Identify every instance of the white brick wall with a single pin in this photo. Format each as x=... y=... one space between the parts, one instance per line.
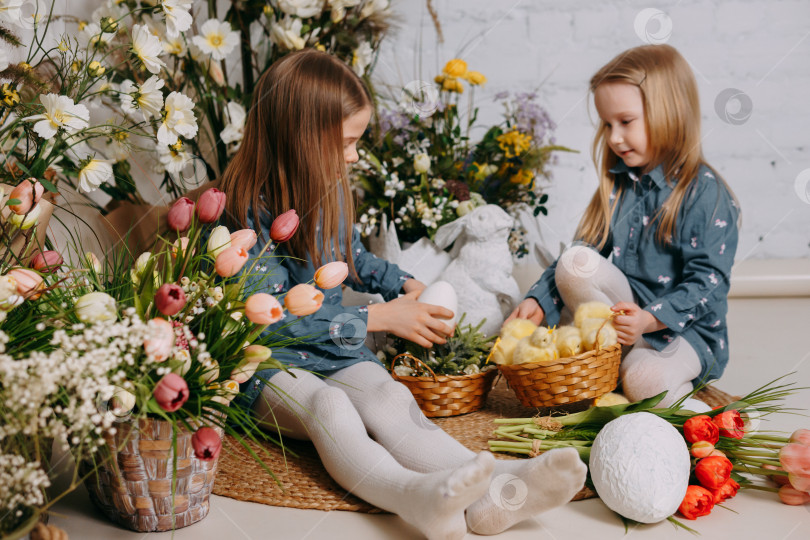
x=760 y=47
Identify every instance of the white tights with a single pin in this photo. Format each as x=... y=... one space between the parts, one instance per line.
x=583 y=275
x=375 y=442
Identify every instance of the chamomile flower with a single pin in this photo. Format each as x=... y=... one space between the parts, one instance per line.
x=178 y=119
x=94 y=173
x=147 y=48
x=216 y=39
x=147 y=98
x=234 y=131
x=178 y=18
x=60 y=113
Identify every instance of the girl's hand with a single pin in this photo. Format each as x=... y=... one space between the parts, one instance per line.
x=411 y=320
x=634 y=322
x=414 y=285
x=528 y=309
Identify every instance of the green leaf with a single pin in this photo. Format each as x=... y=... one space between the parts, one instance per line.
x=47 y=185
x=13 y=201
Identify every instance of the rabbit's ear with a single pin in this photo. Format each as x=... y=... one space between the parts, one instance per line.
x=447 y=234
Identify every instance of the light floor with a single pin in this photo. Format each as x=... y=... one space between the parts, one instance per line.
x=769 y=338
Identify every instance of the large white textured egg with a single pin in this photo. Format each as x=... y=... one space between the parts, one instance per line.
x=640 y=467
x=441 y=293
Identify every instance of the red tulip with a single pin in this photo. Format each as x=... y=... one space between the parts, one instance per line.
x=170 y=299
x=801 y=436
x=713 y=471
x=792 y=496
x=180 y=214
x=29 y=283
x=47 y=261
x=230 y=261
x=701 y=428
x=698 y=501
x=28 y=192
x=244 y=238
x=206 y=443
x=731 y=424
x=284 y=226
x=263 y=308
x=171 y=392
x=795 y=458
x=303 y=299
x=331 y=274
x=726 y=491
x=210 y=205
x=701 y=449
x=799 y=481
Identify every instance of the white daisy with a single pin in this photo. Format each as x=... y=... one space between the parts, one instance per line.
x=234 y=131
x=372 y=7
x=363 y=55
x=95 y=173
x=178 y=119
x=178 y=18
x=173 y=158
x=175 y=46
x=301 y=8
x=92 y=36
x=339 y=8
x=148 y=98
x=147 y=48
x=11 y=11
x=287 y=34
x=217 y=39
x=60 y=113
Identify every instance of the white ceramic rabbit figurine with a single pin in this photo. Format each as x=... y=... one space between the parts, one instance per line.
x=482 y=272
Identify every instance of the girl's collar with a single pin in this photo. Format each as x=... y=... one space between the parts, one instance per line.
x=656 y=175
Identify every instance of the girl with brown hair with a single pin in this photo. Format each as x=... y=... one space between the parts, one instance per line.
x=668 y=221
x=309 y=110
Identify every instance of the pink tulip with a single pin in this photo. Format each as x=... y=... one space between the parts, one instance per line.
x=263 y=308
x=800 y=482
x=180 y=214
x=792 y=496
x=244 y=238
x=230 y=261
x=795 y=458
x=170 y=299
x=801 y=436
x=171 y=392
x=303 y=299
x=206 y=443
x=701 y=449
x=210 y=205
x=29 y=283
x=779 y=479
x=28 y=193
x=284 y=226
x=47 y=261
x=180 y=247
x=161 y=339
x=331 y=274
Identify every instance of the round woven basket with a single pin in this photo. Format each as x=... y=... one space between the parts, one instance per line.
x=567 y=380
x=446 y=395
x=134 y=487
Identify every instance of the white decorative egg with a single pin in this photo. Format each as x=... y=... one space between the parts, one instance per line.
x=441 y=293
x=640 y=467
x=695 y=405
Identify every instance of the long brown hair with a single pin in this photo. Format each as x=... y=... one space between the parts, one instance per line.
x=672 y=117
x=291 y=156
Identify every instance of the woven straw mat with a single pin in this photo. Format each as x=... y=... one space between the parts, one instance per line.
x=306 y=484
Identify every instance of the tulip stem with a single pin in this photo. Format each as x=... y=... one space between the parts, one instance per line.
x=758 y=470
x=769 y=438
x=755 y=453
x=772 y=462
x=760 y=488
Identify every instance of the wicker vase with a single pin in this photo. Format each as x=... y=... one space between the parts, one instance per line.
x=134 y=487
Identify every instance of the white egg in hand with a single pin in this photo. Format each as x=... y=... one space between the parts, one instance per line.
x=441 y=293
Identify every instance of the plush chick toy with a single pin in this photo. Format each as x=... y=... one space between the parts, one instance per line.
x=538 y=347
x=591 y=310
x=569 y=341
x=610 y=399
x=593 y=331
x=511 y=333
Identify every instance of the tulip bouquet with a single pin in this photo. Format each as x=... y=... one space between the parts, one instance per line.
x=727 y=452
x=421 y=169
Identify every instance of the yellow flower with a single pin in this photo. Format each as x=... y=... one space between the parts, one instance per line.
x=320 y=47
x=8 y=95
x=452 y=84
x=523 y=176
x=455 y=68
x=514 y=143
x=95 y=69
x=475 y=78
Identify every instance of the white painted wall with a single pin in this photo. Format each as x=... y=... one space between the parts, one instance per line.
x=759 y=47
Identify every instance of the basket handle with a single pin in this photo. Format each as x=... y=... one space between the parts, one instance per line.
x=609 y=319
x=411 y=357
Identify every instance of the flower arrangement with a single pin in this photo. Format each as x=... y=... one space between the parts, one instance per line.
x=727 y=454
x=422 y=170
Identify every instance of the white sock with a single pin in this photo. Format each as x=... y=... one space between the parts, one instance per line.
x=432 y=502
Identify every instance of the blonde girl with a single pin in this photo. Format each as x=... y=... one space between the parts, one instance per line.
x=666 y=219
x=309 y=111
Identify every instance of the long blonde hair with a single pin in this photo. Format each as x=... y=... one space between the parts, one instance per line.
x=291 y=156
x=672 y=118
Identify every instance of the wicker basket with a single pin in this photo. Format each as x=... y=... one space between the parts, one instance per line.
x=446 y=395
x=134 y=487
x=567 y=380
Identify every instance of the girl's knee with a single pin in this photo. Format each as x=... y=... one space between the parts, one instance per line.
x=577 y=267
x=330 y=400
x=640 y=380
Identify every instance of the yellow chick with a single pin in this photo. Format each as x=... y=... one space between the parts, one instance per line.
x=591 y=310
x=511 y=333
x=538 y=347
x=590 y=330
x=569 y=341
x=610 y=399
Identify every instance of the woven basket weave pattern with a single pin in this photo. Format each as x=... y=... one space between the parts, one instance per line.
x=568 y=380
x=133 y=488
